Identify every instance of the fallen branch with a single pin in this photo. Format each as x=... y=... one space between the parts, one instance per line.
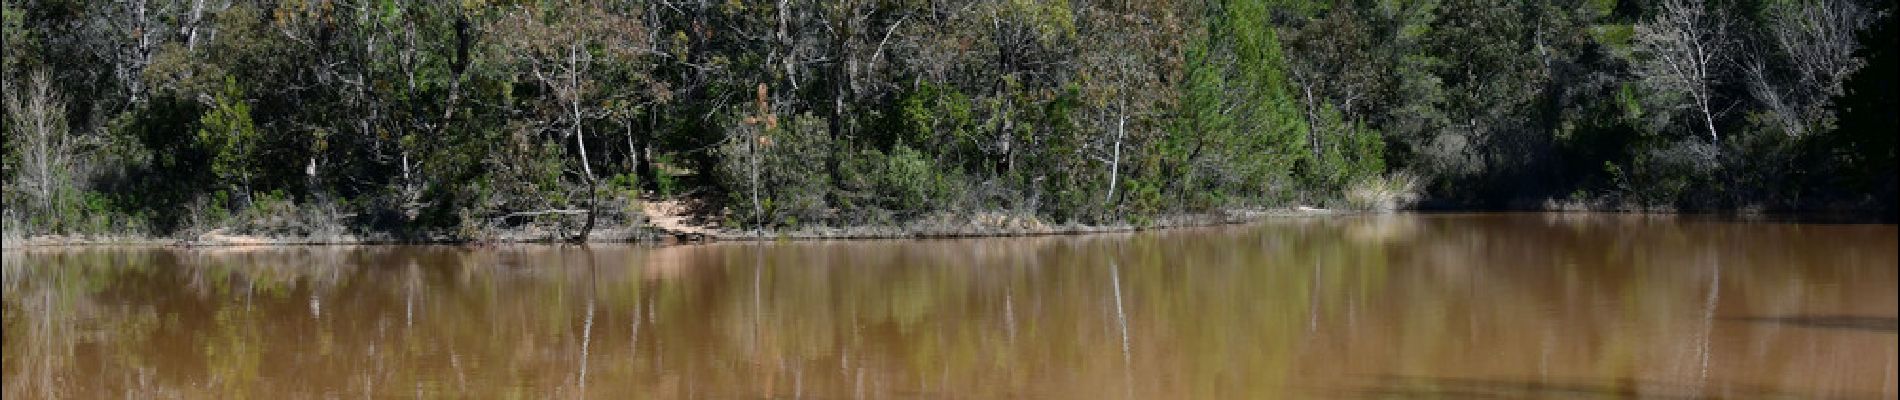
x=544 y=212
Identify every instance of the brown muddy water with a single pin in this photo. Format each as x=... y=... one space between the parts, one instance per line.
x=1407 y=306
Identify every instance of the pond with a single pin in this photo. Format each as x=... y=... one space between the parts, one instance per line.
x=1399 y=306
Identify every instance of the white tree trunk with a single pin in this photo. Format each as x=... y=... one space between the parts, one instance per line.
x=408 y=180
x=574 y=101
x=1708 y=120
x=1115 y=162
x=1312 y=122
x=581 y=144
x=758 y=211
x=191 y=25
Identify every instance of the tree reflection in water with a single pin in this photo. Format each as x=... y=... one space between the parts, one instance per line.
x=1528 y=305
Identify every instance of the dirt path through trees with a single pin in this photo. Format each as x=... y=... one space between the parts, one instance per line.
x=676 y=218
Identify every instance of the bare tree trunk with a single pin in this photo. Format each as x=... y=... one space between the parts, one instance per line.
x=191 y=25
x=574 y=101
x=141 y=51
x=1312 y=122
x=310 y=173
x=1708 y=120
x=785 y=40
x=581 y=143
x=574 y=70
x=758 y=211
x=408 y=180
x=1115 y=163
x=593 y=210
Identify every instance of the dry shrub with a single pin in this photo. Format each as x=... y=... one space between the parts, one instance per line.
x=1383 y=193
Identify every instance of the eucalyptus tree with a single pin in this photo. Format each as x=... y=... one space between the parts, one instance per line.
x=1124 y=80
x=562 y=47
x=569 y=49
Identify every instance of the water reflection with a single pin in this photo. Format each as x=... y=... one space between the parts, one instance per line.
x=1486 y=306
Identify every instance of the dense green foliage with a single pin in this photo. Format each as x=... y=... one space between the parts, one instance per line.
x=437 y=116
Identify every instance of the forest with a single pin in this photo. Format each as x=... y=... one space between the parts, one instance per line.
x=457 y=118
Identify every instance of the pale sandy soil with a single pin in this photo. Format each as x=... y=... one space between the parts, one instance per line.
x=676 y=218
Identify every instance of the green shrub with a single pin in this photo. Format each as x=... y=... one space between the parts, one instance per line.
x=627 y=187
x=775 y=175
x=663 y=179
x=909 y=183
x=231 y=137
x=874 y=187
x=1665 y=176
